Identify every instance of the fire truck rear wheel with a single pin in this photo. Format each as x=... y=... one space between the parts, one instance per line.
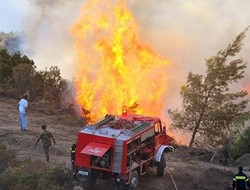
x=161 y=166
x=134 y=180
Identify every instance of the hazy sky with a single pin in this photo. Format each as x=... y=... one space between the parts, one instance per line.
x=12 y=14
x=185 y=31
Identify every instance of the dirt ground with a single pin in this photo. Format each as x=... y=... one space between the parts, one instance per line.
x=185 y=170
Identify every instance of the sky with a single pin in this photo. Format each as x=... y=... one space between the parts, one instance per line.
x=44 y=28
x=12 y=14
x=185 y=31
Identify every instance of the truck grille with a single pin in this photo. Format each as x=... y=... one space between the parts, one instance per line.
x=118 y=155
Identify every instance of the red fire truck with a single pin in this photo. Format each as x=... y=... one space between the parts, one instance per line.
x=120 y=148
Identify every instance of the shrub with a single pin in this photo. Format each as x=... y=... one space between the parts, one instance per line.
x=23 y=74
x=29 y=175
x=241 y=145
x=6 y=156
x=36 y=175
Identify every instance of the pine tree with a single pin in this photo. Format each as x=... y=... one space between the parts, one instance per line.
x=209 y=107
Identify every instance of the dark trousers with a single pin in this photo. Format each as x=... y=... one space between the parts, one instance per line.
x=46 y=152
x=240 y=188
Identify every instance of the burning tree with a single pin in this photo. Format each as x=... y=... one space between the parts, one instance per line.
x=210 y=109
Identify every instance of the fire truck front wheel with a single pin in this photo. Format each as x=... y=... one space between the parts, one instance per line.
x=134 y=180
x=161 y=166
x=133 y=183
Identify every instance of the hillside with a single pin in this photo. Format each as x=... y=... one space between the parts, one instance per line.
x=189 y=168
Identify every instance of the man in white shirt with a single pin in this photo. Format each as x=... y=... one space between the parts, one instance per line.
x=22 y=108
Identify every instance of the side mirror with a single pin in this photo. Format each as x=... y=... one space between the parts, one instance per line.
x=164 y=130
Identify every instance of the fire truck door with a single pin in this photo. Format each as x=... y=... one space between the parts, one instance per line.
x=96 y=149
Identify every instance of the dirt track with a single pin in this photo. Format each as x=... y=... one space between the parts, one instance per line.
x=188 y=174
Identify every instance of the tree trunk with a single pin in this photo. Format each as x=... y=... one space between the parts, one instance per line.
x=197 y=125
x=193 y=135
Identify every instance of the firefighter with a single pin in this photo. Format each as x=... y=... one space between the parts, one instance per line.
x=240 y=180
x=46 y=137
x=72 y=154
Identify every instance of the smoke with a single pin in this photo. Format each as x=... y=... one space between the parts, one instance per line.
x=46 y=33
x=190 y=31
x=10 y=41
x=187 y=32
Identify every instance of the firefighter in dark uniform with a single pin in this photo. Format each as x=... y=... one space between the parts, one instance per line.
x=46 y=137
x=240 y=180
x=72 y=154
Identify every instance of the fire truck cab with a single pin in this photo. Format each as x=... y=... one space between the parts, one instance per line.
x=120 y=148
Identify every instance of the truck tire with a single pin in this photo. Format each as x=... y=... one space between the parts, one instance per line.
x=161 y=166
x=88 y=183
x=121 y=185
x=134 y=180
x=132 y=184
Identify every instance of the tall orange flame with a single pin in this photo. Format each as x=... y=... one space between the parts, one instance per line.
x=115 y=69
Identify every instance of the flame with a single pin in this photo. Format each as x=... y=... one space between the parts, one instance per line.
x=247 y=88
x=115 y=69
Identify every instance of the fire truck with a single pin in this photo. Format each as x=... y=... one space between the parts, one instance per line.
x=120 y=148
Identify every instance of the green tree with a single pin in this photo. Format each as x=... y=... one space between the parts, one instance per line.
x=23 y=75
x=241 y=140
x=54 y=84
x=37 y=86
x=18 y=75
x=5 y=68
x=209 y=107
x=8 y=63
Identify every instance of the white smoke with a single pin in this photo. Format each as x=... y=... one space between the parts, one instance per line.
x=187 y=32
x=47 y=35
x=190 y=31
x=10 y=41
